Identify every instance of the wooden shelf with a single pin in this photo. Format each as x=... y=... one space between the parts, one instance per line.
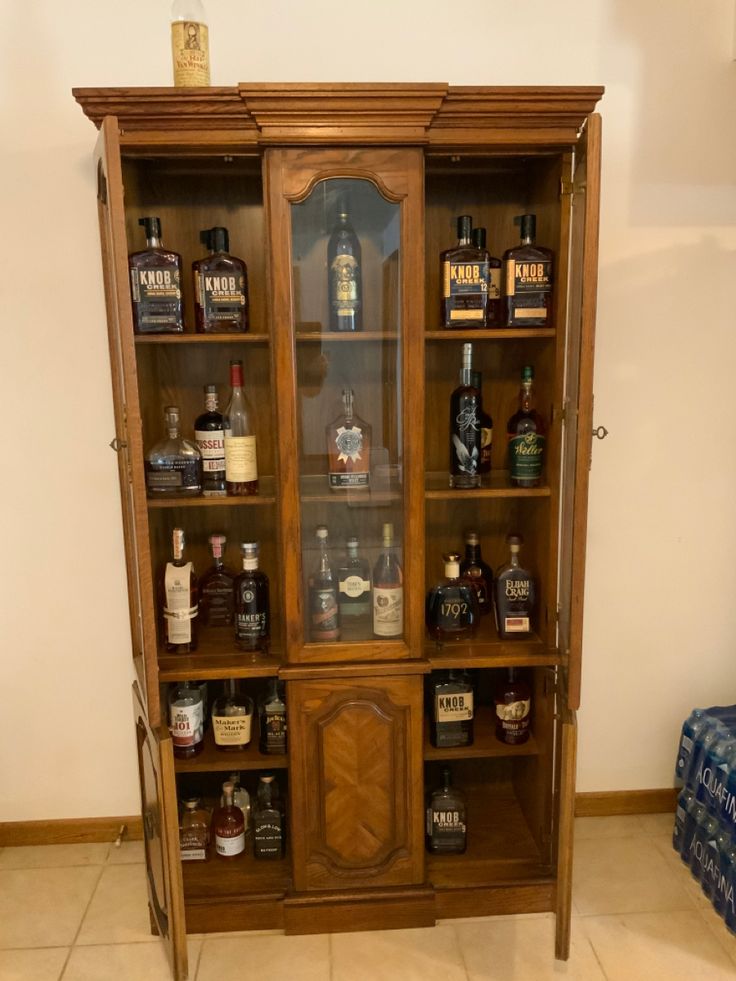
x=485 y=743
x=218 y=657
x=265 y=498
x=244 y=874
x=191 y=338
x=212 y=759
x=488 y=650
x=491 y=334
x=315 y=489
x=356 y=336
x=436 y=488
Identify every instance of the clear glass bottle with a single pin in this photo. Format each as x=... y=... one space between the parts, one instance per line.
x=446 y=819
x=515 y=594
x=241 y=799
x=494 y=307
x=486 y=428
x=241 y=461
x=174 y=465
x=324 y=622
x=155 y=284
x=190 y=43
x=464 y=279
x=194 y=831
x=344 y=276
x=220 y=286
x=232 y=718
x=216 y=599
x=252 y=603
x=526 y=439
x=354 y=594
x=451 y=606
x=513 y=699
x=465 y=434
x=186 y=719
x=210 y=440
x=272 y=719
x=228 y=825
x=478 y=572
x=388 y=590
x=268 y=826
x=528 y=279
x=451 y=709
x=179 y=595
x=348 y=441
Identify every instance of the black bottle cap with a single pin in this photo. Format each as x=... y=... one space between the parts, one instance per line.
x=219 y=239
x=464 y=226
x=528 y=225
x=479 y=238
x=152 y=226
x=205 y=237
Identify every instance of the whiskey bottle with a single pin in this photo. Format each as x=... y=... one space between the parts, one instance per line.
x=228 y=825
x=241 y=463
x=465 y=434
x=515 y=595
x=179 y=594
x=513 y=701
x=446 y=827
x=174 y=465
x=464 y=278
x=451 y=606
x=478 y=572
x=525 y=433
x=232 y=717
x=241 y=799
x=155 y=285
x=268 y=832
x=348 y=448
x=486 y=429
x=528 y=279
x=190 y=46
x=220 y=287
x=388 y=590
x=194 y=831
x=216 y=599
x=324 y=622
x=272 y=719
x=494 y=307
x=210 y=440
x=344 y=276
x=452 y=709
x=354 y=594
x=186 y=719
x=252 y=603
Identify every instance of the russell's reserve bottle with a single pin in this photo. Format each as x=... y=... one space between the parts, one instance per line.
x=348 y=441
x=190 y=44
x=216 y=598
x=446 y=821
x=388 y=590
x=344 y=276
x=173 y=466
x=220 y=286
x=528 y=279
x=241 y=461
x=179 y=600
x=252 y=603
x=155 y=284
x=494 y=307
x=451 y=606
x=515 y=594
x=525 y=433
x=324 y=621
x=210 y=440
x=465 y=434
x=228 y=825
x=464 y=279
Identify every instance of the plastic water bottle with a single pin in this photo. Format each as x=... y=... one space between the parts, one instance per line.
x=729 y=888
x=691 y=729
x=684 y=802
x=689 y=824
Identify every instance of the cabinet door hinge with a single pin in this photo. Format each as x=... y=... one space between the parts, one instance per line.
x=566 y=187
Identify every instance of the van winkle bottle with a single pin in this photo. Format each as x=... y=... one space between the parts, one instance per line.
x=465 y=434
x=446 y=821
x=344 y=276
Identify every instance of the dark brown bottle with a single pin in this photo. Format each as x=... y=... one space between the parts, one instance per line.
x=451 y=606
x=494 y=306
x=216 y=598
x=528 y=279
x=513 y=700
x=220 y=286
x=478 y=572
x=464 y=280
x=465 y=434
x=252 y=603
x=451 y=709
x=446 y=821
x=155 y=285
x=515 y=594
x=210 y=440
x=486 y=428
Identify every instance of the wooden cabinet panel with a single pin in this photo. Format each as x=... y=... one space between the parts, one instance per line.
x=356 y=804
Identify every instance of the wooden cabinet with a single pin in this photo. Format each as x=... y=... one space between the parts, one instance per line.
x=276 y=165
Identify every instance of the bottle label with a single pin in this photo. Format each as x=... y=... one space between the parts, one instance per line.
x=526 y=453
x=186 y=723
x=514 y=716
x=465 y=442
x=190 y=48
x=216 y=604
x=516 y=624
x=157 y=297
x=494 y=284
x=344 y=285
x=251 y=624
x=354 y=586
x=528 y=277
x=388 y=611
x=222 y=297
x=267 y=835
x=465 y=286
x=273 y=738
x=353 y=479
x=230 y=845
x=231 y=730
x=455 y=707
x=173 y=474
x=178 y=613
x=323 y=614
x=241 y=465
x=211 y=444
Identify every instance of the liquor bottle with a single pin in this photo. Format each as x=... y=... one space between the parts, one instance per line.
x=268 y=833
x=446 y=827
x=324 y=621
x=210 y=440
x=190 y=45
x=228 y=825
x=478 y=572
x=344 y=276
x=194 y=831
x=241 y=463
x=186 y=719
x=155 y=284
x=241 y=799
x=272 y=719
x=354 y=594
x=216 y=598
x=174 y=465
x=494 y=307
x=252 y=603
x=513 y=701
x=220 y=286
x=232 y=717
x=465 y=435
x=528 y=279
x=486 y=428
x=451 y=607
x=515 y=595
x=526 y=439
x=179 y=595
x=451 y=709
x=388 y=590
x=464 y=278
x=348 y=448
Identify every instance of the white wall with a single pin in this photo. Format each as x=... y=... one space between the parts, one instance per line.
x=660 y=622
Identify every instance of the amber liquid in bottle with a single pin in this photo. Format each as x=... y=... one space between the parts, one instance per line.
x=228 y=826
x=252 y=603
x=241 y=460
x=528 y=279
x=179 y=600
x=526 y=438
x=155 y=285
x=464 y=279
x=344 y=276
x=348 y=448
x=513 y=700
x=494 y=307
x=216 y=601
x=220 y=287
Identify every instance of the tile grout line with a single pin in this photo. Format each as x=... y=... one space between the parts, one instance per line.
x=595 y=954
x=329 y=956
x=199 y=960
x=460 y=948
x=79 y=928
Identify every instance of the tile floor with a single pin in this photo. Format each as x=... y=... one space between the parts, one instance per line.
x=78 y=913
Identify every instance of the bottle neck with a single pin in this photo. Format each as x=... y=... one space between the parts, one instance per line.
x=526 y=396
x=514 y=561
x=452 y=570
x=472 y=552
x=154 y=242
x=211 y=403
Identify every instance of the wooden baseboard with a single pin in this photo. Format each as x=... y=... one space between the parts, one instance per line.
x=626 y=802
x=69 y=831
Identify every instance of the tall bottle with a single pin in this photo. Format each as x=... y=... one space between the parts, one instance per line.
x=486 y=428
x=216 y=600
x=252 y=603
x=186 y=719
x=324 y=622
x=190 y=43
x=228 y=825
x=465 y=434
x=526 y=438
x=388 y=590
x=344 y=276
x=220 y=286
x=173 y=465
x=513 y=699
x=464 y=279
x=210 y=440
x=515 y=594
x=528 y=279
x=272 y=719
x=354 y=594
x=348 y=441
x=241 y=462
x=478 y=572
x=494 y=307
x=155 y=284
x=179 y=591
x=451 y=606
